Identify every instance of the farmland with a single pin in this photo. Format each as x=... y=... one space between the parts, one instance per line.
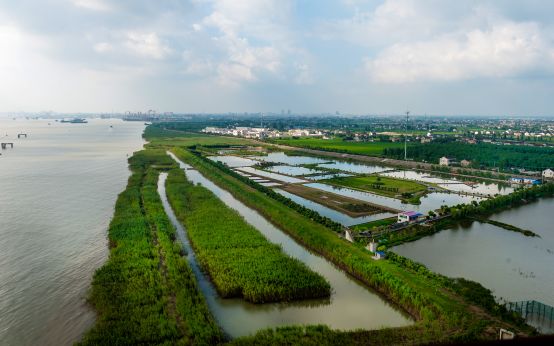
x=239 y=260
x=339 y=145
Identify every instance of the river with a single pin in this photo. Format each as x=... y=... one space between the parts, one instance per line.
x=57 y=192
x=351 y=306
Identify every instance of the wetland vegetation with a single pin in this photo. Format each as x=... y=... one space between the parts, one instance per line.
x=240 y=261
x=146 y=293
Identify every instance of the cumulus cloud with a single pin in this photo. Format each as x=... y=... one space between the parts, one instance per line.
x=147 y=44
x=94 y=5
x=102 y=47
x=503 y=50
x=237 y=25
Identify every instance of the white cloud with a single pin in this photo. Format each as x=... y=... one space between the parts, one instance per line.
x=147 y=44
x=94 y=5
x=391 y=21
x=102 y=47
x=505 y=49
x=237 y=25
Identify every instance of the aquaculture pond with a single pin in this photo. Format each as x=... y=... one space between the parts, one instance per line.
x=431 y=201
x=233 y=161
x=274 y=176
x=281 y=157
x=293 y=170
x=351 y=305
x=514 y=266
x=453 y=184
x=334 y=215
x=353 y=167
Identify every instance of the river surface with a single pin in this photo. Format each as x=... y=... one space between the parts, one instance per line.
x=57 y=192
x=351 y=305
x=513 y=266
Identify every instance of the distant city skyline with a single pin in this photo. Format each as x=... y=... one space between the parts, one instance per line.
x=436 y=57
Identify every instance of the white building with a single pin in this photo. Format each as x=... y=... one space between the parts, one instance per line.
x=548 y=173
x=446 y=161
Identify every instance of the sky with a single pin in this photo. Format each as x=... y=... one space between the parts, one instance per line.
x=436 y=57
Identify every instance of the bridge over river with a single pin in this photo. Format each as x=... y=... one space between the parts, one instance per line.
x=536 y=314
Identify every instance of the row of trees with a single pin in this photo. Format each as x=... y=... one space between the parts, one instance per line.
x=488 y=155
x=488 y=206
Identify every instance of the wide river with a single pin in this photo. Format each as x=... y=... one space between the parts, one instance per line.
x=57 y=192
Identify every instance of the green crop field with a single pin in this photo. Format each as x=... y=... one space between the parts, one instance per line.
x=337 y=144
x=384 y=186
x=240 y=260
x=159 y=136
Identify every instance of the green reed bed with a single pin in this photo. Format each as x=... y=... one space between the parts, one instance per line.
x=146 y=292
x=239 y=259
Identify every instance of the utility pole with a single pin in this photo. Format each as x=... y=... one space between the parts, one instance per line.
x=406 y=138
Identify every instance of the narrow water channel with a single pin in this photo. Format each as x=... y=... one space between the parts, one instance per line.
x=351 y=306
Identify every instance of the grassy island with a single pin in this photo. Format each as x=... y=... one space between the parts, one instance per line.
x=239 y=259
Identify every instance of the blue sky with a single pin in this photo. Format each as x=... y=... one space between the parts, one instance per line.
x=364 y=57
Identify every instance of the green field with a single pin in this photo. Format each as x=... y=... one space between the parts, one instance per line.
x=240 y=261
x=390 y=187
x=337 y=144
x=161 y=137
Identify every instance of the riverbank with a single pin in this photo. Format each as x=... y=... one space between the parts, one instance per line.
x=146 y=292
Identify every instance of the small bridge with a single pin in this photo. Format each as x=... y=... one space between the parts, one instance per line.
x=5 y=145
x=537 y=314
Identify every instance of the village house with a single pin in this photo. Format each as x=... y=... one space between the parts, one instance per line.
x=447 y=161
x=408 y=216
x=548 y=174
x=465 y=163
